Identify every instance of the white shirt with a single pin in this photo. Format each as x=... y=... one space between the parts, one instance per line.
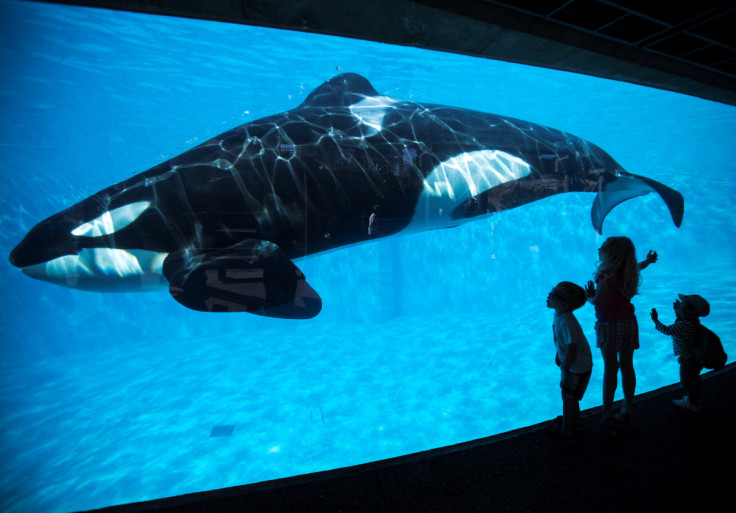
x=567 y=331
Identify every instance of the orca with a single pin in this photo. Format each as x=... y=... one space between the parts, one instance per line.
x=221 y=224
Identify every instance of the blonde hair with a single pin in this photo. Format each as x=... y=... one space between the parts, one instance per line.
x=618 y=256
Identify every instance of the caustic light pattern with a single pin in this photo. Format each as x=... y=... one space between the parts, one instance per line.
x=221 y=224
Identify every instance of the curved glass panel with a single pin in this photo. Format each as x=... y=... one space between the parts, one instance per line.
x=423 y=340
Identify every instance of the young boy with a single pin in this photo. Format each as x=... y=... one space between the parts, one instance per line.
x=573 y=353
x=687 y=311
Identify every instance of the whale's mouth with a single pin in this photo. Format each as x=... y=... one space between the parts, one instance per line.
x=103 y=270
x=16 y=260
x=61 y=237
x=35 y=250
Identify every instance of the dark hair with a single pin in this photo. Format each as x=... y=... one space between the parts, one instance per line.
x=572 y=294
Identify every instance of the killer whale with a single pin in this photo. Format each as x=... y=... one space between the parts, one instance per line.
x=222 y=224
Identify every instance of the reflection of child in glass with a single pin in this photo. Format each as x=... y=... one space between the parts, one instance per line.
x=685 y=328
x=617 y=332
x=573 y=353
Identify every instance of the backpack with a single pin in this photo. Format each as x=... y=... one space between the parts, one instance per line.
x=708 y=350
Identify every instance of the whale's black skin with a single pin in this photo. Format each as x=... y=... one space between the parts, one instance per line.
x=222 y=222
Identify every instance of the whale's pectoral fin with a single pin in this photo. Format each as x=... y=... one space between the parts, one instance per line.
x=629 y=186
x=253 y=276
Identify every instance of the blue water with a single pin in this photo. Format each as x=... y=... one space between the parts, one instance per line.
x=423 y=341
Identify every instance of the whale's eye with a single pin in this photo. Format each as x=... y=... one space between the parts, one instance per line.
x=112 y=221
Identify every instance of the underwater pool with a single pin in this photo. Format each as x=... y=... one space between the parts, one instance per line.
x=425 y=340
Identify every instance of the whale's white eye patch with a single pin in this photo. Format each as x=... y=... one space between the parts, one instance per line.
x=112 y=221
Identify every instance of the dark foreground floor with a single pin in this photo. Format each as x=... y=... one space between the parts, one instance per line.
x=671 y=460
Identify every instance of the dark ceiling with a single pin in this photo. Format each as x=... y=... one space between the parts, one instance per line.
x=690 y=48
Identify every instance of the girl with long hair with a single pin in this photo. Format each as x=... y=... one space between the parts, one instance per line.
x=617 y=331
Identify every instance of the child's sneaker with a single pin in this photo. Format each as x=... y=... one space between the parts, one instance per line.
x=686 y=404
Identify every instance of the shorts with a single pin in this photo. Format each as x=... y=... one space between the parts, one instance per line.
x=621 y=334
x=574 y=385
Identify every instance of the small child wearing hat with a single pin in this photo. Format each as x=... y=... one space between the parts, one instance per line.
x=688 y=309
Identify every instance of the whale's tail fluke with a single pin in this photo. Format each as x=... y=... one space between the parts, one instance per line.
x=627 y=186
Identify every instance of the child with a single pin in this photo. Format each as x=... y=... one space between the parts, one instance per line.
x=616 y=328
x=573 y=353
x=687 y=311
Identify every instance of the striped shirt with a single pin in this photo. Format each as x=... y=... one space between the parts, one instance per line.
x=683 y=333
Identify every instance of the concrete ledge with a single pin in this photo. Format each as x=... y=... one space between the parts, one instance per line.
x=669 y=459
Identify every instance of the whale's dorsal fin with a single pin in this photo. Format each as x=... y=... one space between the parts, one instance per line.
x=340 y=91
x=253 y=276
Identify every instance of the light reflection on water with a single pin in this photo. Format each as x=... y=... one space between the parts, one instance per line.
x=424 y=341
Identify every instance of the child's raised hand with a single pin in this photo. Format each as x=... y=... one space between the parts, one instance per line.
x=590 y=289
x=676 y=305
x=652 y=256
x=654 y=314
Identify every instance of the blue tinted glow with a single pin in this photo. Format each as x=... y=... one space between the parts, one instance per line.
x=423 y=341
